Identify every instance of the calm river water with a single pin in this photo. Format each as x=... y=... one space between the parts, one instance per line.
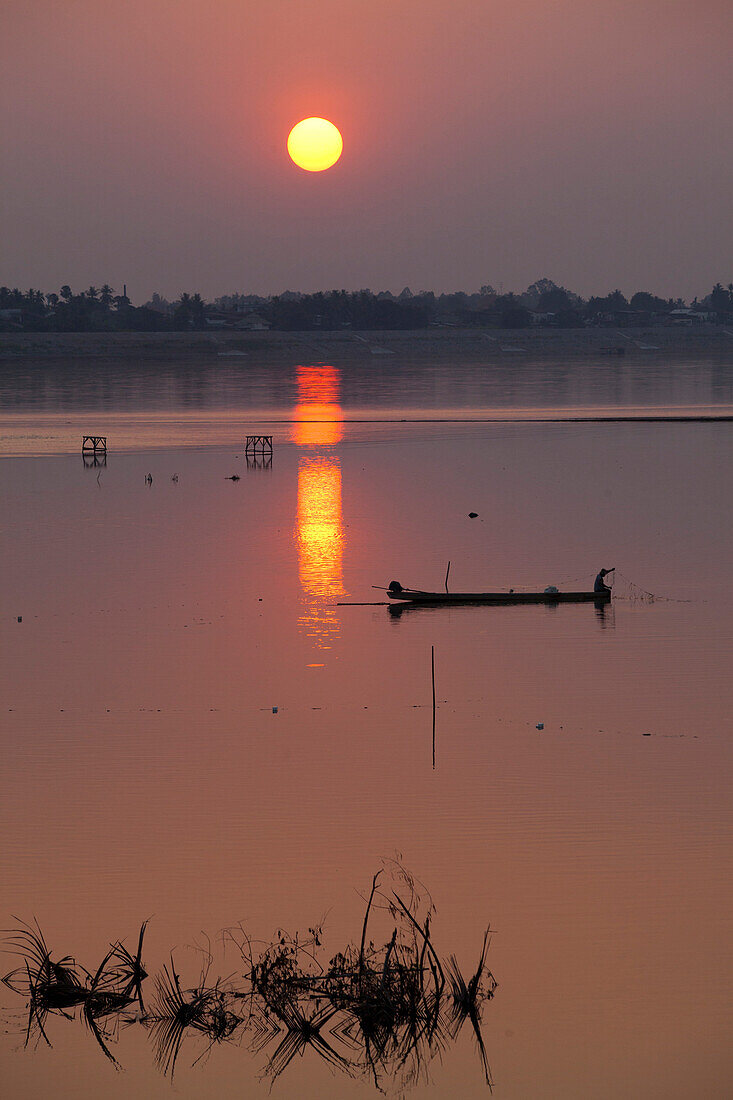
x=195 y=730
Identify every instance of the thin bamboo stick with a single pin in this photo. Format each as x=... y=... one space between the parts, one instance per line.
x=432 y=666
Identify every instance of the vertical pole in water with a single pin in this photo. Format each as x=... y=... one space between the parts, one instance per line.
x=432 y=666
x=446 y=577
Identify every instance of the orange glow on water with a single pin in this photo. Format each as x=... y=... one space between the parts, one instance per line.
x=320 y=530
x=316 y=427
x=318 y=385
x=320 y=540
x=318 y=413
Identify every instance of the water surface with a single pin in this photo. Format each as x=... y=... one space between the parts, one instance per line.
x=146 y=773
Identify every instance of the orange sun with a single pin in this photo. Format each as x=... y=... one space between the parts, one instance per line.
x=315 y=144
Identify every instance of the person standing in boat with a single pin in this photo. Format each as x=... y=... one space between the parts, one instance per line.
x=600 y=585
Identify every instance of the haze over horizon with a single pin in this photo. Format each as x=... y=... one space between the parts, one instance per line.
x=499 y=142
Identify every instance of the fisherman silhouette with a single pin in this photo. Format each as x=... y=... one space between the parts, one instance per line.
x=600 y=585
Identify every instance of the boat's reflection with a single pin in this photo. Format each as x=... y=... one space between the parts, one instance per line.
x=605 y=614
x=395 y=610
x=319 y=533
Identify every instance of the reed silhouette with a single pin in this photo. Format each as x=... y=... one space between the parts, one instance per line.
x=381 y=1009
x=63 y=986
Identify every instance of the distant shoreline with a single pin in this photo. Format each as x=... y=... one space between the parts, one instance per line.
x=341 y=347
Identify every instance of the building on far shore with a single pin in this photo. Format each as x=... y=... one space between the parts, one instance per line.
x=11 y=318
x=252 y=322
x=691 y=316
x=233 y=319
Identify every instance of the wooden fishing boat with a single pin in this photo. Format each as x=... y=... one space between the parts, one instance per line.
x=415 y=596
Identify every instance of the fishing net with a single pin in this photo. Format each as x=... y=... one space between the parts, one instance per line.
x=623 y=588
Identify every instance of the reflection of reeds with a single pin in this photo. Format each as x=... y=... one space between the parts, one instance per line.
x=468 y=997
x=204 y=1009
x=380 y=1010
x=304 y=1029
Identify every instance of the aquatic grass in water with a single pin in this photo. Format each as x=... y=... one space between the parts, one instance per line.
x=58 y=987
x=468 y=999
x=379 y=1009
x=205 y=1009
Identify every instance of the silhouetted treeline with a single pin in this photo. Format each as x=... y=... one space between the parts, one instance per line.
x=542 y=303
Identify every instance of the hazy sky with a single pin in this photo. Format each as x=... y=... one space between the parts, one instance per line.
x=485 y=141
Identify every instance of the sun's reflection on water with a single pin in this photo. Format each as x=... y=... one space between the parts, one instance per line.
x=316 y=427
x=320 y=544
x=318 y=414
x=319 y=529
